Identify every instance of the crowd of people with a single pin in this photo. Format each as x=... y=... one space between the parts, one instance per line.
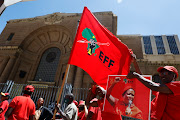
x=165 y=106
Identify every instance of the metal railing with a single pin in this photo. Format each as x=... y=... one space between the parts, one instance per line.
x=48 y=93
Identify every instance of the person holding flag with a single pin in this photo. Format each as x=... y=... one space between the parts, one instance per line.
x=165 y=106
x=98 y=92
x=98 y=52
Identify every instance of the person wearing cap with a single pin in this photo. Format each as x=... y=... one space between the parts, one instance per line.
x=70 y=112
x=22 y=107
x=165 y=105
x=4 y=105
x=82 y=110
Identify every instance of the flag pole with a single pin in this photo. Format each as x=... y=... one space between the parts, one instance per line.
x=64 y=81
x=62 y=86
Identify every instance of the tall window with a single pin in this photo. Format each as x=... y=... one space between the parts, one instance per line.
x=160 y=45
x=48 y=65
x=147 y=45
x=172 y=45
x=10 y=36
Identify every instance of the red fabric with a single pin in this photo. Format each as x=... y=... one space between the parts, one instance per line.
x=141 y=98
x=96 y=113
x=109 y=56
x=23 y=108
x=108 y=115
x=75 y=102
x=167 y=106
x=81 y=116
x=4 y=106
x=121 y=108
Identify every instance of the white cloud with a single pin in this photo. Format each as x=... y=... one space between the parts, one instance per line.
x=119 y=1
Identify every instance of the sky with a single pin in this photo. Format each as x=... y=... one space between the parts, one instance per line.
x=144 y=17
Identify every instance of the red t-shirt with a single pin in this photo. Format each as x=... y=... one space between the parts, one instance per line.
x=23 y=108
x=108 y=115
x=167 y=106
x=96 y=113
x=81 y=115
x=4 y=106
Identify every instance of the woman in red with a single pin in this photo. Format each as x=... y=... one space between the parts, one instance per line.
x=126 y=106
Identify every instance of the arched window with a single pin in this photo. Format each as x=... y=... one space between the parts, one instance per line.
x=48 y=65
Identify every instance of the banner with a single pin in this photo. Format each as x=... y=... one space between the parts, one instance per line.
x=97 y=51
x=129 y=97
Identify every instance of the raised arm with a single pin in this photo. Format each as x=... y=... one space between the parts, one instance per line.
x=151 y=85
x=85 y=111
x=136 y=66
x=62 y=114
x=90 y=96
x=109 y=97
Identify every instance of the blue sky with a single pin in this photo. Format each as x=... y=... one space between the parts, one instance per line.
x=145 y=17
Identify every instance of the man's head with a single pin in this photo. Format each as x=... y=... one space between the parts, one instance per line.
x=81 y=105
x=40 y=102
x=4 y=96
x=69 y=98
x=167 y=74
x=29 y=89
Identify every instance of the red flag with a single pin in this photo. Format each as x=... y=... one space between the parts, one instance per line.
x=97 y=51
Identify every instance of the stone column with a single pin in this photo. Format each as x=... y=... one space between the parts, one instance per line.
x=142 y=43
x=78 y=83
x=3 y=64
x=153 y=43
x=71 y=74
x=166 y=45
x=78 y=78
x=7 y=70
x=177 y=42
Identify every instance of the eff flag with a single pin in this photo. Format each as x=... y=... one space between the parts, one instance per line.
x=97 y=51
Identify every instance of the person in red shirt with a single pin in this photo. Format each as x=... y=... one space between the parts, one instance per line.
x=4 y=105
x=82 y=110
x=94 y=113
x=22 y=107
x=166 y=105
x=99 y=92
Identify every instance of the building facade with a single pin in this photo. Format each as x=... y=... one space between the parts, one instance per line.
x=36 y=50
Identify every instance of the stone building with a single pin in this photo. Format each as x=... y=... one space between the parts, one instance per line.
x=36 y=50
